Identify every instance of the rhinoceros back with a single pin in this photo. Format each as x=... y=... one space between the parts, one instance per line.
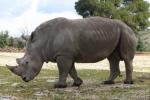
x=97 y=38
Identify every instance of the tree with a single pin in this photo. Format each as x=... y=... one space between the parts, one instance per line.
x=3 y=39
x=83 y=6
x=11 y=42
x=140 y=45
x=20 y=44
x=7 y=41
x=134 y=13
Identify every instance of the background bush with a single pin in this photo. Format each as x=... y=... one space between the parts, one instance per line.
x=7 y=41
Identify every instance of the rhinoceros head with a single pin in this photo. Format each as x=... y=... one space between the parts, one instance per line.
x=30 y=64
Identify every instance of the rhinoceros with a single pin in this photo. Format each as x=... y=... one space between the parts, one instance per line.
x=87 y=40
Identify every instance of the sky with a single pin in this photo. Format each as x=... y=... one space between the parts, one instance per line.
x=18 y=16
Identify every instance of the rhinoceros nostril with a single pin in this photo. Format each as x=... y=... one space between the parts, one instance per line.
x=27 y=62
x=24 y=78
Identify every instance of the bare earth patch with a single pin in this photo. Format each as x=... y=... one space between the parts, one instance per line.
x=141 y=62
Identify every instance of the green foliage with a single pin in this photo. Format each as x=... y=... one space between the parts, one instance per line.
x=83 y=5
x=105 y=10
x=7 y=41
x=144 y=40
x=134 y=13
x=11 y=42
x=3 y=39
x=20 y=44
x=140 y=45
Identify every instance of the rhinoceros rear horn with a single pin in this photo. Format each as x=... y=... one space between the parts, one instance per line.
x=15 y=69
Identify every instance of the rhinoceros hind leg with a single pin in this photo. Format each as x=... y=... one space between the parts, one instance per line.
x=64 y=65
x=114 y=70
x=129 y=70
x=73 y=73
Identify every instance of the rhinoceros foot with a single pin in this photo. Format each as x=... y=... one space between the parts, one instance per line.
x=128 y=82
x=60 y=85
x=108 y=82
x=77 y=83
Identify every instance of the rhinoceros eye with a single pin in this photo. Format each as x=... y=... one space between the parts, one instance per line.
x=27 y=62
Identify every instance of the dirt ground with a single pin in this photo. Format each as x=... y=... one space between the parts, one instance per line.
x=41 y=88
x=141 y=62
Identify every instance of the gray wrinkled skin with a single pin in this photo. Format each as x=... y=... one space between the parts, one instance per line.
x=86 y=40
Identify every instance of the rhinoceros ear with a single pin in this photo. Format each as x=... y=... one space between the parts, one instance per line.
x=32 y=37
x=26 y=38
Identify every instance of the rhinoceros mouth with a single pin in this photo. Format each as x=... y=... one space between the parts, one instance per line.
x=25 y=79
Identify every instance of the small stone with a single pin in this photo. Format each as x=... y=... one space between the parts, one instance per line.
x=7 y=98
x=69 y=89
x=18 y=90
x=15 y=84
x=1 y=83
x=46 y=91
x=40 y=94
x=50 y=81
x=36 y=88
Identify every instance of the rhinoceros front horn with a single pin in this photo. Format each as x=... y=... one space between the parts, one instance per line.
x=15 y=69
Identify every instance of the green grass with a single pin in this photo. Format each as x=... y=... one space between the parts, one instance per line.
x=41 y=87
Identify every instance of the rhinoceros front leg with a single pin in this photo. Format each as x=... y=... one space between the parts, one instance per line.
x=64 y=64
x=114 y=70
x=74 y=75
